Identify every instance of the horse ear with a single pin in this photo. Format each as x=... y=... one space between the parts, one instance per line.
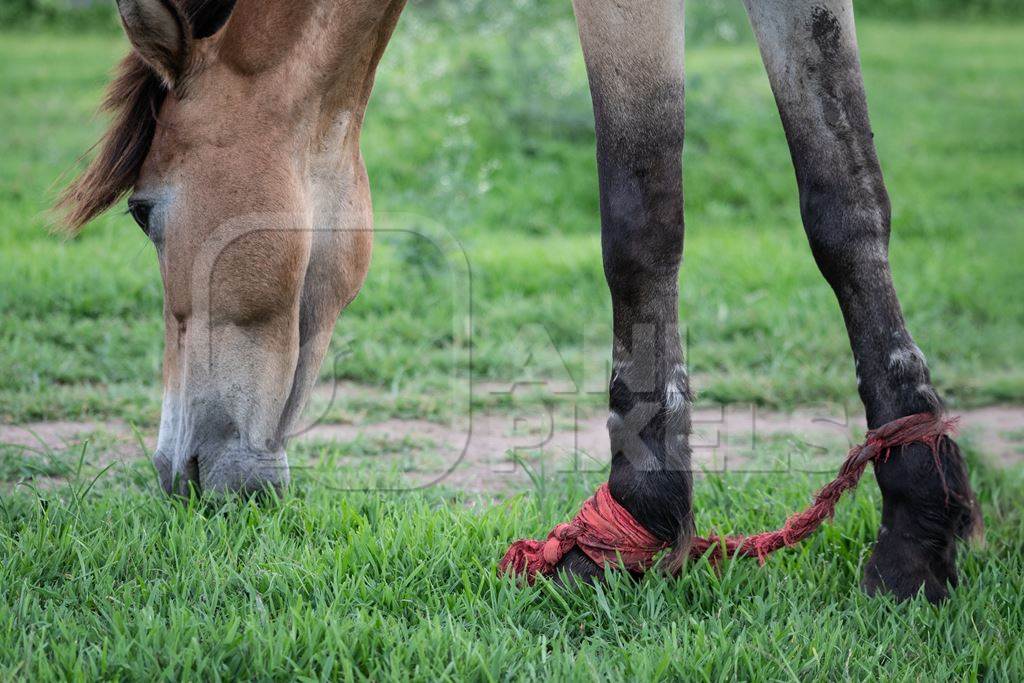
x=159 y=32
x=206 y=17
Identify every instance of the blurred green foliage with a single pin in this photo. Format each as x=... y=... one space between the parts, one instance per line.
x=722 y=20
x=69 y=14
x=939 y=8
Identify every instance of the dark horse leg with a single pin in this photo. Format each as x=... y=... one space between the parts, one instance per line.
x=634 y=56
x=810 y=51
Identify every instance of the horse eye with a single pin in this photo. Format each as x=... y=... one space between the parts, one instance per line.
x=140 y=211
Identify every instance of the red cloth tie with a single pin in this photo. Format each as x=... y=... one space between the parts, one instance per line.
x=603 y=530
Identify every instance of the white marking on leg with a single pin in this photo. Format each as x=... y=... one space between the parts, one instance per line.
x=675 y=400
x=916 y=350
x=903 y=358
x=675 y=394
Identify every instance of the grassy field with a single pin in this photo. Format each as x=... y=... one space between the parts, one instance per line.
x=490 y=142
x=113 y=582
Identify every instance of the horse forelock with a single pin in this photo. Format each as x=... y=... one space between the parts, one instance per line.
x=133 y=100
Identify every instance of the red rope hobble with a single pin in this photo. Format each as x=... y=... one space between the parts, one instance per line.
x=603 y=530
x=609 y=535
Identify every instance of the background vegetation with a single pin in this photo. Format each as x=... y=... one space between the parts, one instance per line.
x=724 y=17
x=486 y=135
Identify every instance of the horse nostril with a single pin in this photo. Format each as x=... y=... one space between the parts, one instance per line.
x=188 y=478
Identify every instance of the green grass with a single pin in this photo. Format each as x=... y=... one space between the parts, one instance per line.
x=110 y=581
x=18 y=463
x=493 y=145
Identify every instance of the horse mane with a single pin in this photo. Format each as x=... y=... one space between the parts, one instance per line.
x=133 y=99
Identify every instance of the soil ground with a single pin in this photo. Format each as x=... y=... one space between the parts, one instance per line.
x=496 y=451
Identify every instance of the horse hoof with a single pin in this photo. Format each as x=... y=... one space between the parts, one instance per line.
x=577 y=568
x=927 y=507
x=901 y=568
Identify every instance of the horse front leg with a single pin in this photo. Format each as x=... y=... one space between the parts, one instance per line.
x=634 y=56
x=810 y=51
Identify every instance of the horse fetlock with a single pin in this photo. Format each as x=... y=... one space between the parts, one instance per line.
x=660 y=501
x=926 y=488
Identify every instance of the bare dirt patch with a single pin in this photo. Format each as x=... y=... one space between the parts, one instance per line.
x=492 y=452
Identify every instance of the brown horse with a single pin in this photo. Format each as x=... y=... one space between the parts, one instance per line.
x=237 y=131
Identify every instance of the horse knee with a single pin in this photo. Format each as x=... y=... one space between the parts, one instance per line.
x=847 y=223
